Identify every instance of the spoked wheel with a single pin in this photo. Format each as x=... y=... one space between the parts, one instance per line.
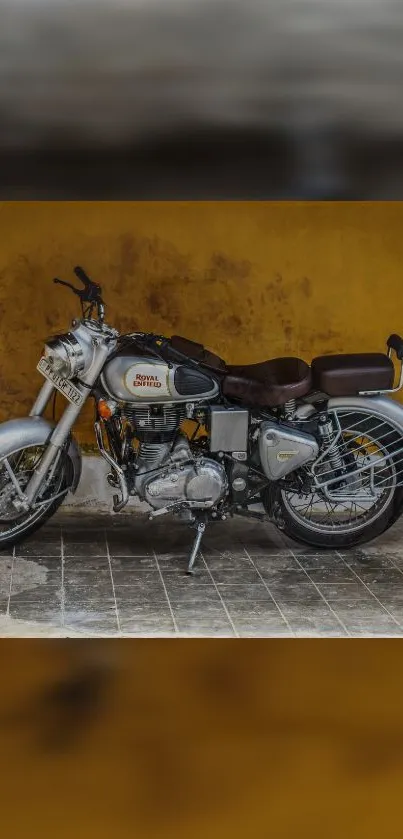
x=17 y=524
x=358 y=497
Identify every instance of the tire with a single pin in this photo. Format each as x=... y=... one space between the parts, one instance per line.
x=31 y=525
x=295 y=530
x=320 y=534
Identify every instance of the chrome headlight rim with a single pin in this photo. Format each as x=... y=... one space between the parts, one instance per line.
x=65 y=355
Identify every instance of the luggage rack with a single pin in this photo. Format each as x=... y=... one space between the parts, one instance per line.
x=394 y=343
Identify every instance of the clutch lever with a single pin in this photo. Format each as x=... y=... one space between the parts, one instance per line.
x=68 y=285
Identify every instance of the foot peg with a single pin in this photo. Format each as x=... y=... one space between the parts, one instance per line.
x=196 y=545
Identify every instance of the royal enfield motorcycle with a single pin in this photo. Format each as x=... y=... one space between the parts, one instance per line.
x=317 y=448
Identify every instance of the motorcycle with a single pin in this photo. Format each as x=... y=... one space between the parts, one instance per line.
x=318 y=447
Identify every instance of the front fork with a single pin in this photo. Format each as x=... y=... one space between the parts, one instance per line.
x=65 y=424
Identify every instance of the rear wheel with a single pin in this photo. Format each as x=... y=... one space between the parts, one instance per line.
x=17 y=524
x=354 y=503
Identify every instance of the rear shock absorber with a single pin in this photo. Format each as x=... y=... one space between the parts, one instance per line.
x=327 y=433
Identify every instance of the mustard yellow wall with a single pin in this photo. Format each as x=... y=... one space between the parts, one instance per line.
x=250 y=280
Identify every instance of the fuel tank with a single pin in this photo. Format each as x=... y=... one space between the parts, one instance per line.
x=136 y=378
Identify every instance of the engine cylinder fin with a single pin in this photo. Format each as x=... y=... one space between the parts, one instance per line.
x=155 y=424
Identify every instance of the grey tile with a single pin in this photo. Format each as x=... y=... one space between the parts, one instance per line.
x=175 y=561
x=269 y=566
x=335 y=574
x=5 y=575
x=92 y=580
x=351 y=611
x=86 y=618
x=196 y=621
x=368 y=627
x=178 y=565
x=327 y=626
x=142 y=610
x=244 y=609
x=51 y=565
x=128 y=549
x=320 y=560
x=240 y=576
x=127 y=564
x=35 y=612
x=203 y=597
x=396 y=559
x=161 y=628
x=387 y=594
x=271 y=627
x=251 y=592
x=75 y=595
x=86 y=563
x=154 y=592
x=149 y=577
x=86 y=549
x=391 y=576
x=227 y=561
x=318 y=609
x=315 y=618
x=175 y=581
x=202 y=612
x=39 y=549
x=42 y=595
x=3 y=605
x=293 y=586
x=284 y=577
x=360 y=560
x=345 y=590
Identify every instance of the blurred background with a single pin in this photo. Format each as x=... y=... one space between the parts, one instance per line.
x=201 y=99
x=203 y=738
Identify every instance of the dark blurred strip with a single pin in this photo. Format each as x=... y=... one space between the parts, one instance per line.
x=201 y=99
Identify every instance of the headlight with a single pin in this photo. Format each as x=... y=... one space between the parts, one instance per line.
x=65 y=355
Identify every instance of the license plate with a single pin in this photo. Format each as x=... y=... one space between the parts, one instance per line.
x=66 y=388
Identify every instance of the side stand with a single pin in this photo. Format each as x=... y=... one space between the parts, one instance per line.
x=196 y=545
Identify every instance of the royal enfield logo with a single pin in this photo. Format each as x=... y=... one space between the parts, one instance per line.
x=146 y=381
x=283 y=456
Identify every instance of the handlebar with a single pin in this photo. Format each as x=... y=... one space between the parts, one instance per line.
x=91 y=293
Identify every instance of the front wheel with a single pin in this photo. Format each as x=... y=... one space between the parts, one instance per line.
x=16 y=525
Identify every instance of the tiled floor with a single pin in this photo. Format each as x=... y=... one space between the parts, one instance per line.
x=122 y=575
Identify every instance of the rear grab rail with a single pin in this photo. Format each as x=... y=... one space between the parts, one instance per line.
x=395 y=344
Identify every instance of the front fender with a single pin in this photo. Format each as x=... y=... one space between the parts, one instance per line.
x=378 y=406
x=16 y=434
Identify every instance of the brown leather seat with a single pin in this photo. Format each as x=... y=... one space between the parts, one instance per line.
x=347 y=375
x=198 y=352
x=269 y=383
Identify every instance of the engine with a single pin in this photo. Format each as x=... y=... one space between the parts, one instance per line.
x=167 y=472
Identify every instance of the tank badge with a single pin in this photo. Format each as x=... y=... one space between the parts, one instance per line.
x=141 y=380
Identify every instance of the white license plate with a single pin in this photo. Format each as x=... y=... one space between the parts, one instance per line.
x=66 y=388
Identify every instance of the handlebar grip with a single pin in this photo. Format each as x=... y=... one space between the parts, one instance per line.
x=81 y=275
x=395 y=342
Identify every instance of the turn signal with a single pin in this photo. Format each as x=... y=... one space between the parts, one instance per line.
x=104 y=410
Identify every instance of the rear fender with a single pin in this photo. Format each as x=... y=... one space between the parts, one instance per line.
x=16 y=434
x=378 y=406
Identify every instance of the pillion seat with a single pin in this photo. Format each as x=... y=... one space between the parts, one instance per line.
x=269 y=383
x=347 y=375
